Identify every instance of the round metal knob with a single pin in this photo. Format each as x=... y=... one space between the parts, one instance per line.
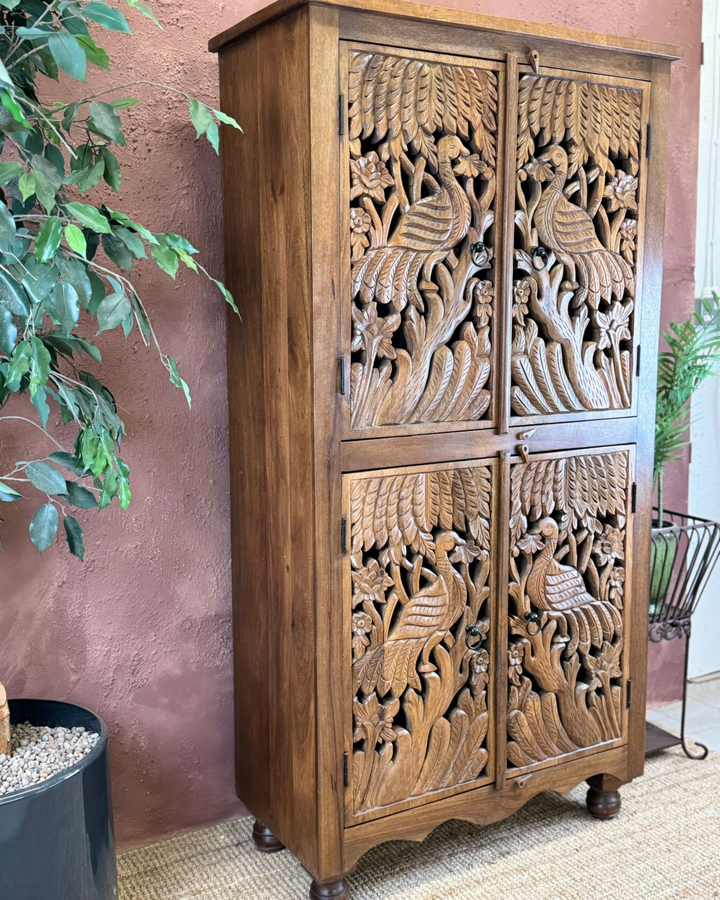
x=472 y=631
x=532 y=618
x=479 y=254
x=539 y=257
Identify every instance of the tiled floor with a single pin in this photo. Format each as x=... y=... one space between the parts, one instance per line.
x=702 y=721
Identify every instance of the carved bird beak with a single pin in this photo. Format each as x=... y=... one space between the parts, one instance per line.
x=545 y=158
x=464 y=151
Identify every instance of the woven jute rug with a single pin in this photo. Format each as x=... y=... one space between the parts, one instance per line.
x=664 y=844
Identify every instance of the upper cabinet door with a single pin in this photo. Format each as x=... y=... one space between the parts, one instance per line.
x=580 y=200
x=420 y=200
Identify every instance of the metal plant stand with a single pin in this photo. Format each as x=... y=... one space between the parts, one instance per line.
x=684 y=553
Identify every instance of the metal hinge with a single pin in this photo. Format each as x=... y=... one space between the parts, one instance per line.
x=341 y=109
x=637 y=361
x=633 y=497
x=628 y=693
x=343 y=534
x=648 y=139
x=346 y=771
x=342 y=374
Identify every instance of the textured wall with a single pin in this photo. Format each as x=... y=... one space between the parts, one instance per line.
x=141 y=631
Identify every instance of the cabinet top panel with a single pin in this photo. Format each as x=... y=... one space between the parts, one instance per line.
x=456 y=17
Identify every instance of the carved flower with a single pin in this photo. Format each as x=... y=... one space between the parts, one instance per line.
x=483 y=294
x=479 y=665
x=359 y=226
x=374 y=721
x=370 y=177
x=361 y=625
x=621 y=192
x=614 y=325
x=617 y=582
x=373 y=333
x=515 y=660
x=465 y=552
x=469 y=165
x=628 y=234
x=521 y=294
x=604 y=666
x=609 y=545
x=530 y=543
x=537 y=170
x=370 y=583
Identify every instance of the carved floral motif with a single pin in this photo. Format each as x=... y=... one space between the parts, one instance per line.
x=567 y=534
x=420 y=560
x=575 y=248
x=422 y=138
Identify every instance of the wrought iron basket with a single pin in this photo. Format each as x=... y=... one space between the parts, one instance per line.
x=684 y=552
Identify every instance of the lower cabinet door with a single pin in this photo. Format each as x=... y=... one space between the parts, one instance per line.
x=569 y=583
x=419 y=615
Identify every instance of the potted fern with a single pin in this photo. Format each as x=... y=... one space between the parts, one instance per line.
x=692 y=355
x=67 y=260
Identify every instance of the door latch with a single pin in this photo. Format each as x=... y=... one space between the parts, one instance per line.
x=522 y=449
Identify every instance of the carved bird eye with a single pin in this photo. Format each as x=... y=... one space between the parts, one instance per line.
x=539 y=258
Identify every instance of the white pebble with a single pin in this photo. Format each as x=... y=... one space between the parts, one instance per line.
x=38 y=753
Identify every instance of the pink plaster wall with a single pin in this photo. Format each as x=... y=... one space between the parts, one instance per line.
x=141 y=631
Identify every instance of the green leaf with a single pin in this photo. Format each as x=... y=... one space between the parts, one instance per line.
x=74 y=537
x=45 y=191
x=46 y=478
x=109 y=489
x=80 y=497
x=95 y=55
x=188 y=260
x=176 y=241
x=124 y=494
x=13 y=107
x=110 y=19
x=10 y=170
x=8 y=331
x=105 y=121
x=112 y=173
x=225 y=119
x=26 y=184
x=19 y=365
x=48 y=239
x=8 y=494
x=124 y=102
x=176 y=380
x=213 y=135
x=200 y=117
x=90 y=217
x=131 y=241
x=145 y=10
x=39 y=365
x=75 y=239
x=7 y=225
x=118 y=252
x=92 y=177
x=226 y=294
x=44 y=526
x=136 y=226
x=38 y=281
x=56 y=158
x=64 y=306
x=68 y=460
x=165 y=258
x=68 y=54
x=112 y=311
x=75 y=272
x=12 y=296
x=39 y=401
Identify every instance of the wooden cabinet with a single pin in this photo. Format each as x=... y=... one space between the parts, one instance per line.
x=444 y=233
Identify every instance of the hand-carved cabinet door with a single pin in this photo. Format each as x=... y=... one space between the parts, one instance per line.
x=568 y=605
x=418 y=619
x=580 y=201
x=421 y=188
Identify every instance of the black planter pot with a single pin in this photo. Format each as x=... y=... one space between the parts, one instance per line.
x=56 y=838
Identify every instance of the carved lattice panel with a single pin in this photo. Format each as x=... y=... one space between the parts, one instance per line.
x=419 y=578
x=578 y=228
x=422 y=139
x=568 y=562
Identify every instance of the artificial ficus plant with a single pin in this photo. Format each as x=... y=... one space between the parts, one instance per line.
x=66 y=257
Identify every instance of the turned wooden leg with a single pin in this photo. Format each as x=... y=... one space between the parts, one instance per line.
x=338 y=890
x=603 y=797
x=265 y=840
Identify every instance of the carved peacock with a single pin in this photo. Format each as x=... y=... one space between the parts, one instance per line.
x=423 y=623
x=557 y=588
x=428 y=230
x=568 y=231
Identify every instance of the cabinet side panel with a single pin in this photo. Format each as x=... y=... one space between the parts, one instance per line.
x=265 y=176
